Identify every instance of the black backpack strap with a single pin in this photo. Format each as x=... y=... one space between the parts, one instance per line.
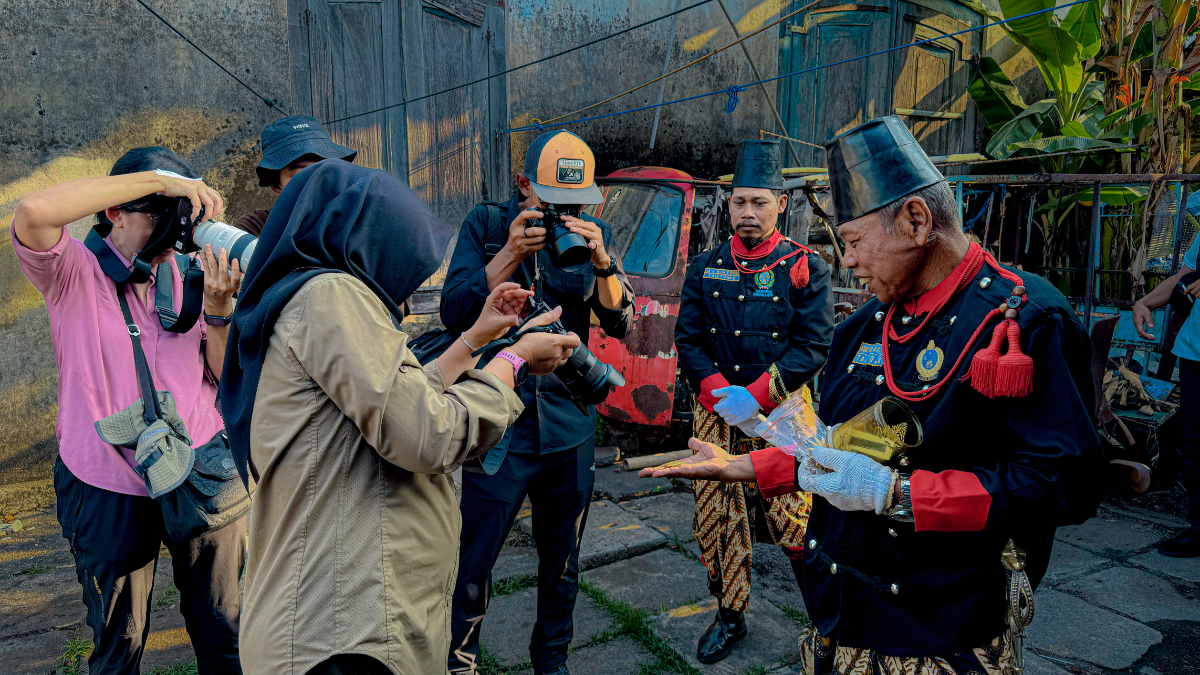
x=193 y=295
x=493 y=233
x=150 y=410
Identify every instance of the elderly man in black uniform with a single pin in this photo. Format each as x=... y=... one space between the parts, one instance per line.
x=908 y=570
x=754 y=326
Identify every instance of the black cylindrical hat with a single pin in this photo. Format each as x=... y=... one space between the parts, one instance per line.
x=873 y=165
x=759 y=165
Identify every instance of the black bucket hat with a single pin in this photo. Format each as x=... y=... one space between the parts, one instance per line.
x=288 y=139
x=873 y=165
x=759 y=165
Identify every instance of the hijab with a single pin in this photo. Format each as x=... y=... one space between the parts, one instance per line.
x=333 y=216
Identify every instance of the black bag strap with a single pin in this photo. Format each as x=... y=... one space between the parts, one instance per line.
x=193 y=295
x=493 y=234
x=111 y=263
x=150 y=409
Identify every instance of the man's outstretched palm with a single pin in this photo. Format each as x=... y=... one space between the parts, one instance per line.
x=709 y=463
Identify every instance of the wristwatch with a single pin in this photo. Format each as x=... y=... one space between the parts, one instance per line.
x=607 y=271
x=218 y=321
x=520 y=368
x=902 y=509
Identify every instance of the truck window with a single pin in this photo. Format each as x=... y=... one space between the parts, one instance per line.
x=645 y=224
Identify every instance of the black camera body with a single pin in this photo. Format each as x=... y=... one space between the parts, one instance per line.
x=568 y=250
x=588 y=379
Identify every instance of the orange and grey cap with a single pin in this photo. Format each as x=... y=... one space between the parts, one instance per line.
x=562 y=169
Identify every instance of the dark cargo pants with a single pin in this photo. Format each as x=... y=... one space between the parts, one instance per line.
x=559 y=486
x=115 y=539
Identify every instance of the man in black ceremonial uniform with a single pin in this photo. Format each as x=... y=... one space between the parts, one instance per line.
x=755 y=322
x=907 y=567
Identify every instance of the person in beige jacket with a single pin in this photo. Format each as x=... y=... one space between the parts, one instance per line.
x=354 y=531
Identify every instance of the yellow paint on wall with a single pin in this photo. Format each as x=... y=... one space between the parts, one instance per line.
x=697 y=42
x=757 y=16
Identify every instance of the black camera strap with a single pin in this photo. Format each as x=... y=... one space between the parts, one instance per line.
x=150 y=409
x=193 y=295
x=112 y=264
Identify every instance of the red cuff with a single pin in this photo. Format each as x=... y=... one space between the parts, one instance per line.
x=775 y=472
x=760 y=389
x=707 y=385
x=950 y=501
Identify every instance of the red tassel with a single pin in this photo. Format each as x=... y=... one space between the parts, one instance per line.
x=983 y=366
x=1014 y=373
x=799 y=272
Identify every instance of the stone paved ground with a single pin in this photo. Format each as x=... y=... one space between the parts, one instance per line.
x=1109 y=604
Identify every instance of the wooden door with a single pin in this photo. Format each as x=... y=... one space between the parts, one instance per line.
x=366 y=56
x=930 y=80
x=823 y=103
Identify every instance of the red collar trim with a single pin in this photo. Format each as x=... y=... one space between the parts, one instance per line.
x=934 y=297
x=762 y=250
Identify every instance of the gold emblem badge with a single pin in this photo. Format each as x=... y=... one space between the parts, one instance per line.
x=929 y=362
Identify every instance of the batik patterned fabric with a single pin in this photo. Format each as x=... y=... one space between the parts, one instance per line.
x=818 y=658
x=731 y=517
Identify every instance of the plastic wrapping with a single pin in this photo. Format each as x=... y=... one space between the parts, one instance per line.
x=884 y=432
x=794 y=427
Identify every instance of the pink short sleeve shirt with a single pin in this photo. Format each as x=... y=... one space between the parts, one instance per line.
x=96 y=375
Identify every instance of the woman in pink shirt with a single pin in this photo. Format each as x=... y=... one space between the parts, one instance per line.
x=115 y=529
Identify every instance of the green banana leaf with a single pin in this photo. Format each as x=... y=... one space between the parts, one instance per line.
x=1057 y=53
x=1113 y=195
x=1041 y=146
x=1127 y=131
x=1074 y=129
x=995 y=96
x=1033 y=120
x=1083 y=23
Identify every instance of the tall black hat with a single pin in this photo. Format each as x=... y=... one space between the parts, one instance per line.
x=759 y=165
x=873 y=165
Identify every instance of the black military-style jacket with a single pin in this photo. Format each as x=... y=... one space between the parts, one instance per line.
x=1021 y=468
x=739 y=324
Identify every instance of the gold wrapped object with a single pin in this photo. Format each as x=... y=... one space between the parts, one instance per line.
x=883 y=432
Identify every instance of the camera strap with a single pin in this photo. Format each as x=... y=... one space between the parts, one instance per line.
x=193 y=295
x=111 y=263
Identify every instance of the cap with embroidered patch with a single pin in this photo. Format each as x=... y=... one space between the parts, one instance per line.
x=562 y=169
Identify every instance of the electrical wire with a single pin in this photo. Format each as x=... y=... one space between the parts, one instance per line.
x=524 y=65
x=733 y=89
x=264 y=99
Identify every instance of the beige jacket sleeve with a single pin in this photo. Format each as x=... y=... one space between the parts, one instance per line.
x=346 y=342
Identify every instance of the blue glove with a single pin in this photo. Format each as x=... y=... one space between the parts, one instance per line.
x=856 y=482
x=737 y=405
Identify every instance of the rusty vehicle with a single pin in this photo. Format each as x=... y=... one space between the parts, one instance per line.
x=661 y=218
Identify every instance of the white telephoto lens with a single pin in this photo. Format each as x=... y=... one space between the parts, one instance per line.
x=224 y=236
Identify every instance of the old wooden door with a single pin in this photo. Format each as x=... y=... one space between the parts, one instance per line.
x=367 y=56
x=819 y=105
x=930 y=79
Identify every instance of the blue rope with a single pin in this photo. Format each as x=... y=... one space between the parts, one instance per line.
x=732 y=90
x=732 y=102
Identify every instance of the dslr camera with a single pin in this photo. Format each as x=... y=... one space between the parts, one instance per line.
x=588 y=379
x=194 y=235
x=568 y=250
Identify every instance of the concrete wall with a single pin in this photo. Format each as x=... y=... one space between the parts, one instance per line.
x=697 y=136
x=85 y=80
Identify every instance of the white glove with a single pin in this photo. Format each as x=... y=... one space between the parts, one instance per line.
x=750 y=426
x=856 y=482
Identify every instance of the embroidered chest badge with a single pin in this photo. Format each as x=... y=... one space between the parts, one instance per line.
x=764 y=281
x=929 y=362
x=869 y=355
x=721 y=274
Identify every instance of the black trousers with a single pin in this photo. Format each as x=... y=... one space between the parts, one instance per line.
x=559 y=487
x=1189 y=441
x=115 y=539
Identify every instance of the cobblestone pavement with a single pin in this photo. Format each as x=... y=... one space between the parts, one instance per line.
x=1109 y=604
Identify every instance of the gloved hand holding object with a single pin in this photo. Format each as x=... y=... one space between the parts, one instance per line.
x=737 y=405
x=847 y=480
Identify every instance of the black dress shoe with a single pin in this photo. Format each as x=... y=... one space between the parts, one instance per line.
x=1186 y=545
x=560 y=670
x=717 y=641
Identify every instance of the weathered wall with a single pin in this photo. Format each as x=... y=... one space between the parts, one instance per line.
x=85 y=80
x=697 y=136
